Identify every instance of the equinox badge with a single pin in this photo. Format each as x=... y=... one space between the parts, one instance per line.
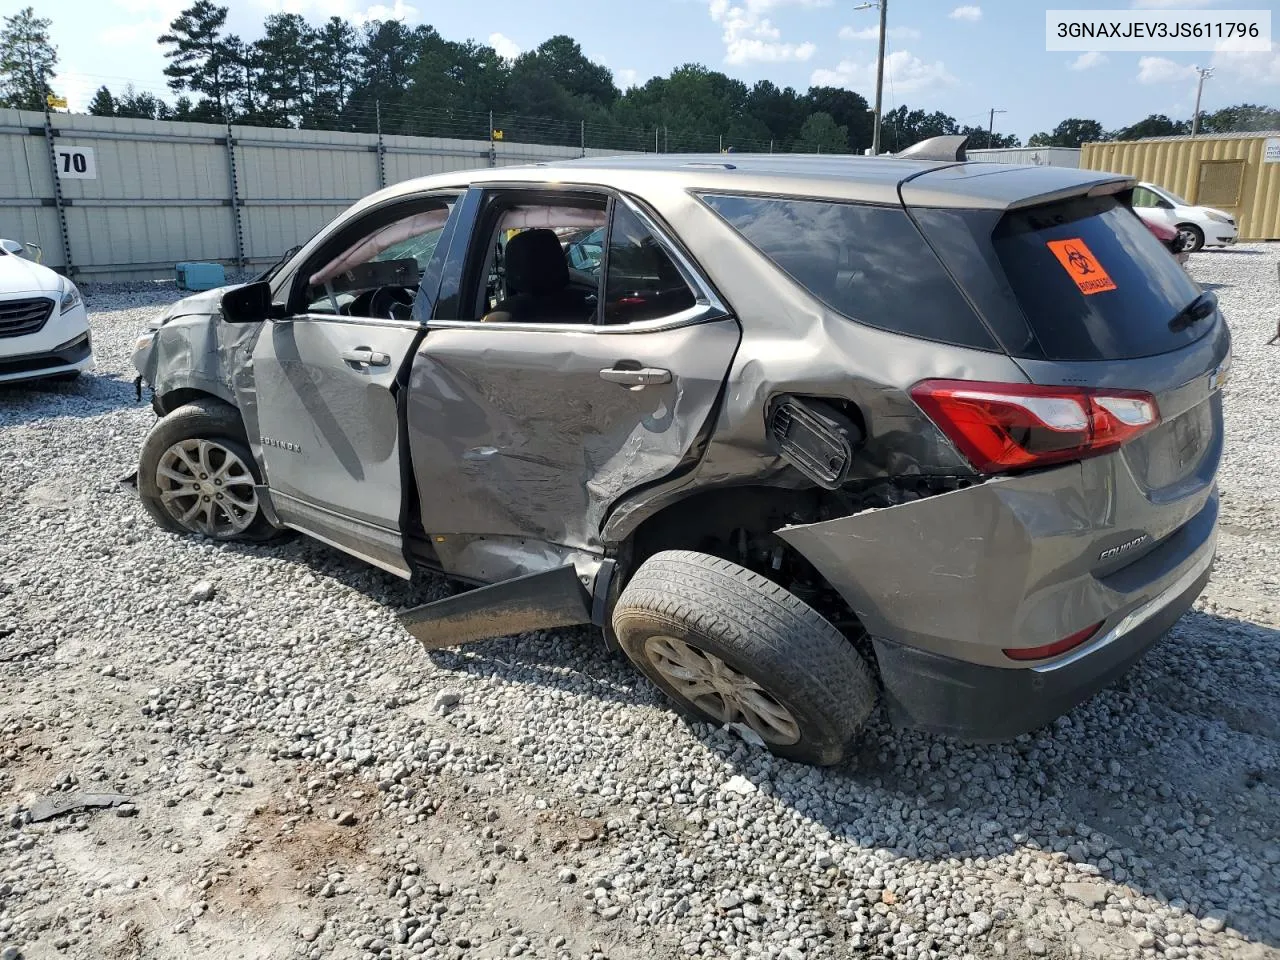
x=281 y=444
x=1123 y=548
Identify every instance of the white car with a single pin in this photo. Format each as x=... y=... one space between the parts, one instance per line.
x=1199 y=226
x=44 y=330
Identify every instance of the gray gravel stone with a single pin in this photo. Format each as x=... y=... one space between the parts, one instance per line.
x=303 y=684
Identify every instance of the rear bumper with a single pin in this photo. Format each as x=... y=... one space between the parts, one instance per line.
x=980 y=703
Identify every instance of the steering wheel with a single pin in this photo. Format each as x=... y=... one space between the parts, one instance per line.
x=394 y=303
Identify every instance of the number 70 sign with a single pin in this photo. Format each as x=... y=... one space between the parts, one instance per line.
x=75 y=163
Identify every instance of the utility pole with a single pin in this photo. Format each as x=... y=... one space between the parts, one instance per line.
x=991 y=125
x=1205 y=73
x=884 y=16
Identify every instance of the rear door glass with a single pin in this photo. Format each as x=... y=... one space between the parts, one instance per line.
x=1093 y=282
x=641 y=281
x=869 y=263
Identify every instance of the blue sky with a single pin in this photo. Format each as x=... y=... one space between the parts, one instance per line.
x=959 y=56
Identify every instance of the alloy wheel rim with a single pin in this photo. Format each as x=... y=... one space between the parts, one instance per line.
x=1188 y=238
x=207 y=488
x=720 y=691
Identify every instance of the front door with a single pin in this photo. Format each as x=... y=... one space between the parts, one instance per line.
x=560 y=388
x=330 y=378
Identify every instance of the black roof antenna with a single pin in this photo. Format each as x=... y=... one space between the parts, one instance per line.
x=950 y=148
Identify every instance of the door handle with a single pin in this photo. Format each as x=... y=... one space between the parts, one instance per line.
x=366 y=357
x=638 y=377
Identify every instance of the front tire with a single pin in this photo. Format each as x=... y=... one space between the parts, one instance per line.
x=1193 y=237
x=727 y=645
x=196 y=475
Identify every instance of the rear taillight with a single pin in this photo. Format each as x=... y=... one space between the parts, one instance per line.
x=1052 y=649
x=1012 y=426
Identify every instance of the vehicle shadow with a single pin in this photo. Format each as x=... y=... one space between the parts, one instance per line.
x=88 y=395
x=1167 y=782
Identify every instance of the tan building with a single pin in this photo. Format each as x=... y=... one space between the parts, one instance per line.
x=1236 y=172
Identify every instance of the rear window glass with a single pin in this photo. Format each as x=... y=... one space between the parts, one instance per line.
x=869 y=263
x=1093 y=282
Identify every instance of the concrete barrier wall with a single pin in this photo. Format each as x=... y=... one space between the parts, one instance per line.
x=163 y=192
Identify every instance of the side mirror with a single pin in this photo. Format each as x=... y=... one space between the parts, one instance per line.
x=250 y=303
x=13 y=247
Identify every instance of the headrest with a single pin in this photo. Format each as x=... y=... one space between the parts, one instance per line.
x=535 y=263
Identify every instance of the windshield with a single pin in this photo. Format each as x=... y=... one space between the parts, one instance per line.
x=1173 y=197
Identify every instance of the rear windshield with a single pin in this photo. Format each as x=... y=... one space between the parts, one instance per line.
x=869 y=263
x=1093 y=282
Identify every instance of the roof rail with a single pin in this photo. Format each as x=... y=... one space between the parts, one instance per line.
x=937 y=148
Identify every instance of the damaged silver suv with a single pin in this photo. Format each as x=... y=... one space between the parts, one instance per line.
x=796 y=433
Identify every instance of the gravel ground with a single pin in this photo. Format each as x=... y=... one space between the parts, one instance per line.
x=302 y=780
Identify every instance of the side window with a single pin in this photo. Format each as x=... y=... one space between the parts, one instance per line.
x=377 y=274
x=641 y=281
x=868 y=263
x=1142 y=197
x=542 y=261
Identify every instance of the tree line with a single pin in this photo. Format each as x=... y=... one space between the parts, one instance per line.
x=406 y=80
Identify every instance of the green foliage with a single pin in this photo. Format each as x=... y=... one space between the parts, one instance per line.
x=1243 y=118
x=27 y=59
x=415 y=81
x=821 y=134
x=1070 y=133
x=103 y=104
x=1156 y=125
x=200 y=59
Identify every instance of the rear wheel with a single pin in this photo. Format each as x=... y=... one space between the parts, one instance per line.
x=196 y=475
x=1192 y=237
x=730 y=646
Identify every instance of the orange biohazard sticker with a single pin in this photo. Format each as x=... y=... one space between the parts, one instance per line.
x=1082 y=266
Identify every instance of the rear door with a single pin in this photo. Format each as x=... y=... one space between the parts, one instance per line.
x=526 y=429
x=329 y=381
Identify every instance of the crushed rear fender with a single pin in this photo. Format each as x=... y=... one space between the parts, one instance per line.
x=538 y=601
x=969 y=572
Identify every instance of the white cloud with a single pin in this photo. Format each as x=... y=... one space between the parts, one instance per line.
x=966 y=13
x=904 y=70
x=1087 y=61
x=873 y=33
x=353 y=10
x=751 y=37
x=1253 y=66
x=1153 y=70
x=626 y=78
x=380 y=11
x=507 y=48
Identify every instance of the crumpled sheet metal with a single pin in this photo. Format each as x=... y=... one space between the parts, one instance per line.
x=190 y=352
x=525 y=444
x=966 y=572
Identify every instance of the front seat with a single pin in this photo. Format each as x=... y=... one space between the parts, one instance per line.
x=538 y=287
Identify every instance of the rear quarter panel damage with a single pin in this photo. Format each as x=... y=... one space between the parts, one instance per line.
x=1009 y=562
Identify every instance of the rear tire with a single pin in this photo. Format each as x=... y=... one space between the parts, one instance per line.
x=727 y=645
x=1194 y=237
x=196 y=475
